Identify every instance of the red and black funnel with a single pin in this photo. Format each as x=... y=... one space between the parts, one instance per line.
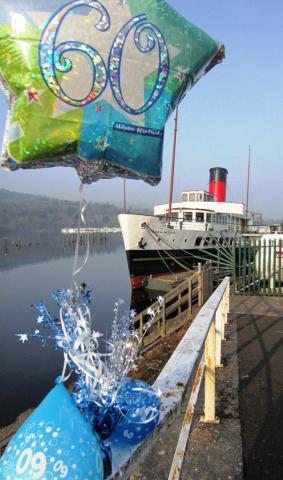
x=218 y=183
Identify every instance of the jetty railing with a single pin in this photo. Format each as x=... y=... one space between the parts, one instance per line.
x=177 y=306
x=197 y=356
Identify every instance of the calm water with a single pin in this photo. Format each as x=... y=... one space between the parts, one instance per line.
x=29 y=271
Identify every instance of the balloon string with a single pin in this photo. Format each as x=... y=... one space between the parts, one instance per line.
x=77 y=269
x=64 y=376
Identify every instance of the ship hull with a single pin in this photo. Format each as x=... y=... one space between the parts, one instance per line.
x=153 y=249
x=143 y=264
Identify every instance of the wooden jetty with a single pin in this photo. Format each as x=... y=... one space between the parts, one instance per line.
x=188 y=291
x=165 y=283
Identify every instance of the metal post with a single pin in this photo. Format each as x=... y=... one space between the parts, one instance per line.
x=228 y=298
x=209 y=385
x=176 y=467
x=274 y=276
x=226 y=307
x=219 y=334
x=270 y=282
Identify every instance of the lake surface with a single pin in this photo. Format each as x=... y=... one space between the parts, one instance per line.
x=29 y=270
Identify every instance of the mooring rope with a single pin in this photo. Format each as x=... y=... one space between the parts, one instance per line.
x=226 y=259
x=150 y=231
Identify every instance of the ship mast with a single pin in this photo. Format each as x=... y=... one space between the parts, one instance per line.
x=125 y=207
x=248 y=181
x=173 y=167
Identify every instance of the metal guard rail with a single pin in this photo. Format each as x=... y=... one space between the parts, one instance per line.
x=198 y=354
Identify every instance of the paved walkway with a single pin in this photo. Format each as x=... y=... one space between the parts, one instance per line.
x=260 y=355
x=248 y=443
x=214 y=451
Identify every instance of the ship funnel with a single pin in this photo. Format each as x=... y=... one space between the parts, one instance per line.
x=218 y=183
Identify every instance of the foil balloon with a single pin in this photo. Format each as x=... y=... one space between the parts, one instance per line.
x=55 y=442
x=90 y=84
x=140 y=405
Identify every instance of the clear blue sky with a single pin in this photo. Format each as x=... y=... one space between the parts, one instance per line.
x=239 y=103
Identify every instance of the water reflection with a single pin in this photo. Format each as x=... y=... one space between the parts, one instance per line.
x=15 y=252
x=29 y=271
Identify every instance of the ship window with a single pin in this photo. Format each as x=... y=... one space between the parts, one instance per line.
x=174 y=216
x=221 y=240
x=198 y=241
x=207 y=241
x=188 y=216
x=184 y=197
x=199 y=217
x=199 y=197
x=208 y=217
x=192 y=197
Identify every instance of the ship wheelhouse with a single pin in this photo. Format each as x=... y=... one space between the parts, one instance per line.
x=200 y=211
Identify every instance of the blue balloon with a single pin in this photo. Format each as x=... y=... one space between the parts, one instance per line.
x=141 y=407
x=55 y=442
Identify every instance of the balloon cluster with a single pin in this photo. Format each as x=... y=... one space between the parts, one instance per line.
x=102 y=390
x=91 y=83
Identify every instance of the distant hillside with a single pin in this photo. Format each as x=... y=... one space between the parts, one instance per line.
x=35 y=213
x=8 y=195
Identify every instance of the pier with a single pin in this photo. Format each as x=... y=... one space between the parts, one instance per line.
x=106 y=230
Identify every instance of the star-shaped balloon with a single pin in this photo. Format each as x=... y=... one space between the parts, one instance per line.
x=91 y=83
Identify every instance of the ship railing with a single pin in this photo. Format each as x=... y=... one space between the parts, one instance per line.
x=196 y=358
x=177 y=306
x=194 y=224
